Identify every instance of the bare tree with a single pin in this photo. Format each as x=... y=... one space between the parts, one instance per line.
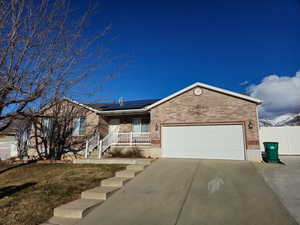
x=54 y=132
x=45 y=50
x=23 y=128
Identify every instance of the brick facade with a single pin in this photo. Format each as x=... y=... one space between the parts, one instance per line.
x=209 y=107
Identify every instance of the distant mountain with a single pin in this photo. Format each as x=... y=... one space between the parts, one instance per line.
x=289 y=119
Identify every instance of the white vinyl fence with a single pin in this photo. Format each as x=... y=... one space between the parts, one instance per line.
x=288 y=138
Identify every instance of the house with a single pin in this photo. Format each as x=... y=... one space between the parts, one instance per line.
x=199 y=121
x=8 y=143
x=13 y=139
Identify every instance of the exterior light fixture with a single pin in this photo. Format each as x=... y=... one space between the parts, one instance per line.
x=250 y=124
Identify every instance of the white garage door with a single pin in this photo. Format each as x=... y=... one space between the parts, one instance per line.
x=208 y=142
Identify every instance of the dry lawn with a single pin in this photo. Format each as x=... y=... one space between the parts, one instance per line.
x=28 y=193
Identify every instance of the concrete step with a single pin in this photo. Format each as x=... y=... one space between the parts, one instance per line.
x=93 y=157
x=76 y=209
x=114 y=182
x=99 y=193
x=127 y=173
x=61 y=221
x=105 y=161
x=136 y=167
x=144 y=161
x=96 y=153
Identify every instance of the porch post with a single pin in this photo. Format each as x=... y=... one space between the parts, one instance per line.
x=131 y=137
x=100 y=149
x=86 y=148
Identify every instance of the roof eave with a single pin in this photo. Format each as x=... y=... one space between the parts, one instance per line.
x=124 y=112
x=83 y=105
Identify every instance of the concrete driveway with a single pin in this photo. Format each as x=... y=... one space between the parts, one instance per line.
x=193 y=192
x=285 y=181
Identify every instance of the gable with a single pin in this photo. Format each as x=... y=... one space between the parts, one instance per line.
x=207 y=87
x=208 y=103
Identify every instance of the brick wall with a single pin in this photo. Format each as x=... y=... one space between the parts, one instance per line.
x=209 y=107
x=125 y=124
x=92 y=122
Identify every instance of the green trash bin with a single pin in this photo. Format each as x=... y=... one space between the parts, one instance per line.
x=271 y=150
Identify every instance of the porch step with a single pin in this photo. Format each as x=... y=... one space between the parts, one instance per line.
x=114 y=182
x=60 y=221
x=127 y=173
x=93 y=157
x=76 y=209
x=94 y=153
x=144 y=161
x=136 y=167
x=99 y=193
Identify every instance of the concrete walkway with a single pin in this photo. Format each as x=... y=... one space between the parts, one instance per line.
x=193 y=192
x=285 y=181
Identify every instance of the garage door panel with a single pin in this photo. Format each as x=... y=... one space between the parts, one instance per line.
x=211 y=142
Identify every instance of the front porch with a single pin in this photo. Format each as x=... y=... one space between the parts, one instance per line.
x=96 y=147
x=131 y=138
x=121 y=131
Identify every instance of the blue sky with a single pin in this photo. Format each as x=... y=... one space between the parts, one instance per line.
x=172 y=44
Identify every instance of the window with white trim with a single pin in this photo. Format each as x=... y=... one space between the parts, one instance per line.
x=78 y=126
x=47 y=125
x=140 y=125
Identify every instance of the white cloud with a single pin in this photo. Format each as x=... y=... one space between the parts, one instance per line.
x=243 y=83
x=280 y=94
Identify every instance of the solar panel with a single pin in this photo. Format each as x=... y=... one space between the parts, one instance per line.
x=138 y=104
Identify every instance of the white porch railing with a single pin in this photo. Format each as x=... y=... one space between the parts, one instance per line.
x=92 y=143
x=131 y=138
x=125 y=139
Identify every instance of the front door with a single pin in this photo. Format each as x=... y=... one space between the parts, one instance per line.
x=114 y=126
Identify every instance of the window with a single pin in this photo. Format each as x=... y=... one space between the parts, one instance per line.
x=46 y=126
x=79 y=126
x=140 y=125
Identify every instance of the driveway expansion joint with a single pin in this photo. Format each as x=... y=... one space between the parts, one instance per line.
x=187 y=193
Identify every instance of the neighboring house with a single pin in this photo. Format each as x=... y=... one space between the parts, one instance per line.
x=8 y=143
x=199 y=121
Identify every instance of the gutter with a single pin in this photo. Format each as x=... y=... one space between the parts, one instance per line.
x=124 y=112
